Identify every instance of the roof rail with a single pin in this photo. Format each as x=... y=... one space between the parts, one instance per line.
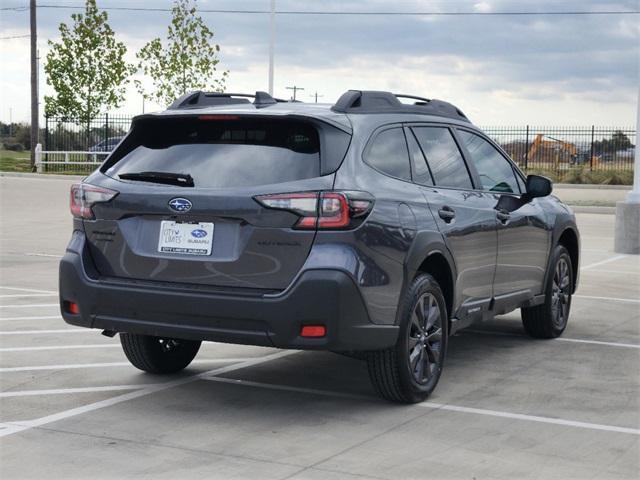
x=369 y=101
x=199 y=99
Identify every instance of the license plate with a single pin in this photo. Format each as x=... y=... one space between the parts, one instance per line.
x=185 y=238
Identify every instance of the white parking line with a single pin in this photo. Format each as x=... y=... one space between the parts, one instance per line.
x=41 y=332
x=42 y=255
x=19 y=295
x=607 y=270
x=31 y=305
x=13 y=319
x=68 y=391
x=597 y=342
x=608 y=260
x=58 y=347
x=612 y=299
x=33 y=290
x=9 y=428
x=531 y=418
x=439 y=406
x=74 y=366
x=560 y=339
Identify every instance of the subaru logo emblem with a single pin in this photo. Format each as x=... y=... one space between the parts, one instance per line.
x=198 y=233
x=180 y=204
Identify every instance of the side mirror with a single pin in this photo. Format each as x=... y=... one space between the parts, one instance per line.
x=538 y=186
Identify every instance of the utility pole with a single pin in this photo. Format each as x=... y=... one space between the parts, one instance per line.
x=272 y=41
x=10 y=122
x=316 y=96
x=34 y=81
x=295 y=90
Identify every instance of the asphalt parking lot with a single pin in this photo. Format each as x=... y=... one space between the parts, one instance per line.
x=506 y=407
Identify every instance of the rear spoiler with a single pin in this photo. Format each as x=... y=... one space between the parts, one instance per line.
x=199 y=99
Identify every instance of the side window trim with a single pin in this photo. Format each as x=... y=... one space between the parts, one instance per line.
x=409 y=131
x=406 y=143
x=471 y=168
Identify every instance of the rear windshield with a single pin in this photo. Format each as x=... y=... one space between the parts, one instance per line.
x=220 y=152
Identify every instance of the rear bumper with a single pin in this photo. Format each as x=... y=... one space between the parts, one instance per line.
x=328 y=297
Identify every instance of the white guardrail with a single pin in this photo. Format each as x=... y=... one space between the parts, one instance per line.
x=61 y=158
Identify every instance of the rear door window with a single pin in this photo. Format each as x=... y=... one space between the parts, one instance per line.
x=388 y=154
x=495 y=171
x=443 y=156
x=221 y=153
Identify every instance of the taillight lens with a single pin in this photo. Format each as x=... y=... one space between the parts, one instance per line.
x=322 y=210
x=84 y=196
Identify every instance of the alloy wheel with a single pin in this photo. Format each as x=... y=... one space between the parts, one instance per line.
x=561 y=293
x=425 y=339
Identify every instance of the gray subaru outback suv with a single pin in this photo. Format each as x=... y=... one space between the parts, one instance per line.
x=376 y=227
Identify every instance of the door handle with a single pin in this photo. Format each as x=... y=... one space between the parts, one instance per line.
x=503 y=216
x=447 y=214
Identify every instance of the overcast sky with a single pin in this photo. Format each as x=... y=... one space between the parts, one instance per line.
x=500 y=70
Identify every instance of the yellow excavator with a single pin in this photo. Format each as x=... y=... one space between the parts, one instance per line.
x=555 y=150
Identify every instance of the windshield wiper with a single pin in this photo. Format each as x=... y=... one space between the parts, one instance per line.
x=167 y=178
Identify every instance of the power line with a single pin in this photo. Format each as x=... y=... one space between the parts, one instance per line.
x=361 y=12
x=15 y=36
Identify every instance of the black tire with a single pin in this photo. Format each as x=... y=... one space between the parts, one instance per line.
x=158 y=355
x=392 y=371
x=549 y=319
x=355 y=354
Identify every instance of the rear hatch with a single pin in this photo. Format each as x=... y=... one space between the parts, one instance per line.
x=185 y=211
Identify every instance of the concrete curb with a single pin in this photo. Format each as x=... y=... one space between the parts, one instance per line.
x=555 y=185
x=591 y=186
x=42 y=176
x=593 y=209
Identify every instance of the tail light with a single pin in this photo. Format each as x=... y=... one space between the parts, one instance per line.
x=84 y=196
x=322 y=210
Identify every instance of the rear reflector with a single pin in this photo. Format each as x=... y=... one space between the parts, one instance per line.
x=71 y=307
x=313 y=331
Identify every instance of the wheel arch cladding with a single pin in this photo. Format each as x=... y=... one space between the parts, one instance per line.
x=569 y=240
x=438 y=267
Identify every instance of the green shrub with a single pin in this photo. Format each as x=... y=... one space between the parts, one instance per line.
x=582 y=175
x=14 y=147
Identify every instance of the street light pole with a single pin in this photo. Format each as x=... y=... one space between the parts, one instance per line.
x=634 y=195
x=34 y=81
x=272 y=41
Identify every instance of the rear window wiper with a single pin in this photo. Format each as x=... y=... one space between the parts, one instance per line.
x=167 y=178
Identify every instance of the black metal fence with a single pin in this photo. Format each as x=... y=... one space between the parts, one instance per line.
x=70 y=134
x=554 y=150
x=558 y=149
